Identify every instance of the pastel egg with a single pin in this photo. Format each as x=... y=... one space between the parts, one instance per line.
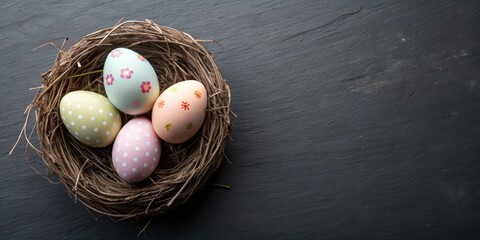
x=179 y=111
x=90 y=117
x=136 y=150
x=130 y=81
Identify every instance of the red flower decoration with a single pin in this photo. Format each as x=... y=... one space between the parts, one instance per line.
x=145 y=87
x=109 y=79
x=197 y=94
x=141 y=58
x=126 y=73
x=116 y=53
x=185 y=105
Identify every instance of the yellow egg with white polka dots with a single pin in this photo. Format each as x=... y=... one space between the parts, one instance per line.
x=90 y=117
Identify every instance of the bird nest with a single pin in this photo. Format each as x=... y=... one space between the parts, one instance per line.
x=87 y=172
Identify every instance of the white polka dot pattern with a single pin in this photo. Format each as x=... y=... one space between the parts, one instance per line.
x=81 y=115
x=136 y=150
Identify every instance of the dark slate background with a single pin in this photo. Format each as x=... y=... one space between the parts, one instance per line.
x=356 y=119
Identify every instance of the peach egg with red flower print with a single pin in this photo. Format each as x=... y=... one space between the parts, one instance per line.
x=136 y=151
x=179 y=111
x=130 y=81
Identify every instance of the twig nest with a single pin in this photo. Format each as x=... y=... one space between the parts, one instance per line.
x=87 y=172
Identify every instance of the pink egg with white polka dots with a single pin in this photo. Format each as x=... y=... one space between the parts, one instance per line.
x=136 y=150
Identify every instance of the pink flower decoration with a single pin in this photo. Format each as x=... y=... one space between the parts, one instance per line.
x=135 y=104
x=126 y=73
x=116 y=53
x=141 y=58
x=109 y=78
x=145 y=87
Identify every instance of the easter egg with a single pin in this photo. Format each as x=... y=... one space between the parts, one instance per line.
x=136 y=150
x=90 y=117
x=179 y=111
x=130 y=81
